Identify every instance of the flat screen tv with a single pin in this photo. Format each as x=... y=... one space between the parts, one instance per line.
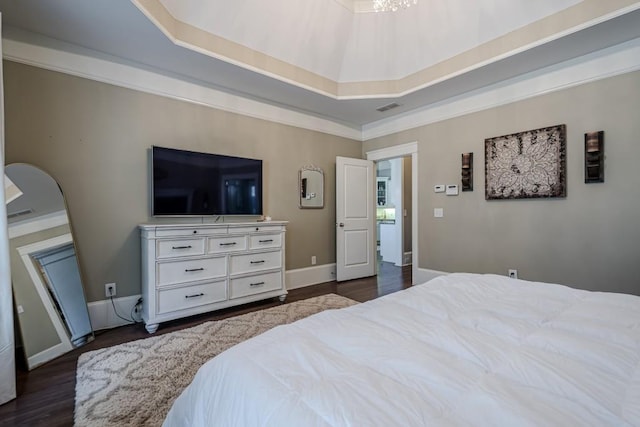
x=188 y=183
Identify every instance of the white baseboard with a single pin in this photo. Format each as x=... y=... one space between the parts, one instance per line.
x=423 y=275
x=46 y=355
x=301 y=277
x=103 y=316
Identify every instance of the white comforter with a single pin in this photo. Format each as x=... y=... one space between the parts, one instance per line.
x=460 y=350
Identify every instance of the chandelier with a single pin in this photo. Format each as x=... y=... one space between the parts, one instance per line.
x=392 y=5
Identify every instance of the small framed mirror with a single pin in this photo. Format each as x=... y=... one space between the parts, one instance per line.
x=311 y=187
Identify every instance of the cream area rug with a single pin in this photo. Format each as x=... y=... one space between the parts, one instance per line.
x=135 y=384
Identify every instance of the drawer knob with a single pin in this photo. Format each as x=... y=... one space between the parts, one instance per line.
x=256 y=284
x=194 y=295
x=195 y=231
x=194 y=269
x=257 y=262
x=228 y=244
x=181 y=247
x=265 y=241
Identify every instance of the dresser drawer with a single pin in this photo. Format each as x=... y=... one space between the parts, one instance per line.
x=186 y=231
x=227 y=244
x=180 y=247
x=240 y=264
x=265 y=241
x=255 y=284
x=191 y=296
x=191 y=270
x=256 y=229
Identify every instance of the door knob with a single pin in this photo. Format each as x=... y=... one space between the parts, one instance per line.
x=341 y=224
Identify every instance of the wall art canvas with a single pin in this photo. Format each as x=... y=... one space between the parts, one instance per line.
x=526 y=165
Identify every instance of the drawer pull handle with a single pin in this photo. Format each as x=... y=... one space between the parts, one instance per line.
x=194 y=296
x=256 y=284
x=182 y=247
x=194 y=269
x=265 y=241
x=228 y=244
x=257 y=262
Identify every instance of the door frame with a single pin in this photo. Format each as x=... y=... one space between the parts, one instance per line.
x=404 y=150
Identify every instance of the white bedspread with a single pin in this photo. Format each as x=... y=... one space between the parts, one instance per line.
x=461 y=350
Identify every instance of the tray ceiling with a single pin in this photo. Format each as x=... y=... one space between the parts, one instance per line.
x=322 y=57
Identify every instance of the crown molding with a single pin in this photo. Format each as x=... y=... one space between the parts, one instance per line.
x=102 y=69
x=621 y=59
x=616 y=60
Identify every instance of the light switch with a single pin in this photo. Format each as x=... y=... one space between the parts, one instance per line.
x=452 y=190
x=439 y=188
x=438 y=212
x=20 y=309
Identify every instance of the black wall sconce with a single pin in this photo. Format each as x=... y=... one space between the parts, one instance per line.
x=467 y=171
x=594 y=157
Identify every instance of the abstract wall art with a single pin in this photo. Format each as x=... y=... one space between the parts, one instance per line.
x=526 y=165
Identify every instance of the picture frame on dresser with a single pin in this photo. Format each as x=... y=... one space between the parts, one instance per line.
x=190 y=269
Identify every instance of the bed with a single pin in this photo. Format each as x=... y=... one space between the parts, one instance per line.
x=459 y=350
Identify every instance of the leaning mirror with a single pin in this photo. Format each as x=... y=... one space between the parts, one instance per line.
x=49 y=296
x=311 y=187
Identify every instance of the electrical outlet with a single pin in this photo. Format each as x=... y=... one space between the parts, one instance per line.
x=513 y=274
x=313 y=260
x=110 y=290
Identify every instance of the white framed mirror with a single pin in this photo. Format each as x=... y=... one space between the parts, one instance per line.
x=311 y=187
x=47 y=285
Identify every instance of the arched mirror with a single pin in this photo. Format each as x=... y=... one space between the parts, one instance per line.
x=311 y=187
x=50 y=302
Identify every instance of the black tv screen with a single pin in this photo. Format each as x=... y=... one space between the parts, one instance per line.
x=186 y=183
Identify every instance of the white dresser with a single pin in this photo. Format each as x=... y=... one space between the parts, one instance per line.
x=189 y=269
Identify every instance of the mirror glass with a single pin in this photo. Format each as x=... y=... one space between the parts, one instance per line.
x=49 y=295
x=311 y=187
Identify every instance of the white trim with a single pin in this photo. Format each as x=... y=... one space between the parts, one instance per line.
x=25 y=254
x=609 y=62
x=103 y=317
x=408 y=149
x=46 y=355
x=301 y=277
x=423 y=275
x=394 y=151
x=620 y=59
x=40 y=223
x=7 y=341
x=129 y=76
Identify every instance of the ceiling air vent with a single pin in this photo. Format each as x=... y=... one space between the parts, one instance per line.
x=19 y=213
x=388 y=107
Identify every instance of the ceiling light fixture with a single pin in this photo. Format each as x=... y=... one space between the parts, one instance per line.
x=392 y=5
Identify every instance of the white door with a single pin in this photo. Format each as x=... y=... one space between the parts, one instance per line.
x=7 y=355
x=355 y=218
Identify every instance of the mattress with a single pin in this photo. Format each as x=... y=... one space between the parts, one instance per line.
x=460 y=350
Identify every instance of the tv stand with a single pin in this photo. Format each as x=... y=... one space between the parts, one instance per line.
x=189 y=269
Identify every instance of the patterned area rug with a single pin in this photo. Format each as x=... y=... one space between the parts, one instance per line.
x=135 y=384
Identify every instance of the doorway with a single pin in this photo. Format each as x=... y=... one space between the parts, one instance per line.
x=410 y=152
x=393 y=211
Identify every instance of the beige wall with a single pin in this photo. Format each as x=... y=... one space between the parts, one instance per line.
x=590 y=239
x=93 y=138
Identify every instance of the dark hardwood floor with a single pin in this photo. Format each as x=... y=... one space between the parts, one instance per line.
x=46 y=394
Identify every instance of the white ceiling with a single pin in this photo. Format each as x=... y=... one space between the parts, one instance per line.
x=329 y=41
